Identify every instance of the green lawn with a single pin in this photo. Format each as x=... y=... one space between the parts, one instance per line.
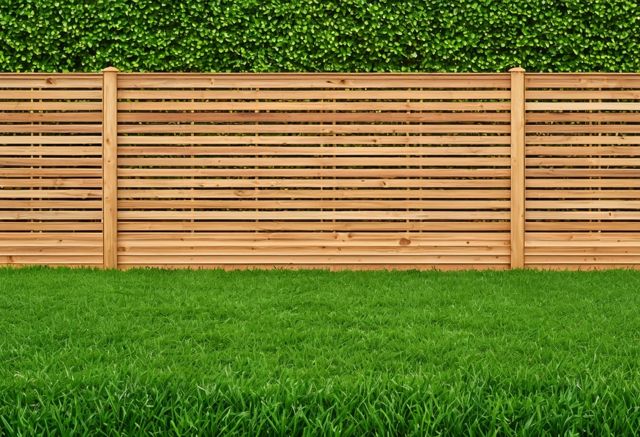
x=316 y=352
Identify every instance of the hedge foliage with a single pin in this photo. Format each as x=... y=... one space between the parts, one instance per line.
x=320 y=35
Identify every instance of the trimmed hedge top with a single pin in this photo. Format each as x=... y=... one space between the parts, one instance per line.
x=320 y=35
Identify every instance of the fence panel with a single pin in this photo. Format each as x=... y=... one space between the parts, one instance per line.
x=331 y=170
x=583 y=162
x=50 y=169
x=366 y=170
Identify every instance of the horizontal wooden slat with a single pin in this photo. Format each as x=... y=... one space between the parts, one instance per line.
x=49 y=194
x=588 y=260
x=165 y=94
x=307 y=162
x=306 y=172
x=260 y=151
x=57 y=250
x=583 y=139
x=59 y=260
x=26 y=172
x=9 y=239
x=327 y=266
x=51 y=117
x=583 y=117
x=595 y=150
x=584 y=247
x=50 y=215
x=306 y=117
x=53 y=204
x=581 y=225
x=50 y=106
x=583 y=162
x=586 y=182
x=311 y=259
x=560 y=194
x=361 y=238
x=50 y=128
x=50 y=139
x=375 y=182
x=51 y=162
x=583 y=215
x=50 y=183
x=300 y=215
x=582 y=172
x=582 y=80
x=312 y=80
x=305 y=204
x=50 y=94
x=50 y=81
x=582 y=106
x=301 y=250
x=311 y=128
x=283 y=140
x=582 y=94
x=50 y=226
x=583 y=204
x=349 y=226
x=288 y=193
x=583 y=128
x=272 y=106
x=600 y=238
x=28 y=150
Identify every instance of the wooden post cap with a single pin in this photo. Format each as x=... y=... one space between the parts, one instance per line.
x=110 y=70
x=517 y=70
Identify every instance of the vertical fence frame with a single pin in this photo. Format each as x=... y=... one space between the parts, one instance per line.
x=110 y=167
x=517 y=166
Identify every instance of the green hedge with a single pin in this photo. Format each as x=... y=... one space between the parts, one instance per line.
x=320 y=35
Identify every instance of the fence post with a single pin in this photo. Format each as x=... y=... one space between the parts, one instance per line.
x=517 y=167
x=110 y=167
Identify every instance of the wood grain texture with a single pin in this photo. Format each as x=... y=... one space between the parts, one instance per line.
x=110 y=167
x=51 y=169
x=518 y=122
x=320 y=170
x=384 y=158
x=582 y=166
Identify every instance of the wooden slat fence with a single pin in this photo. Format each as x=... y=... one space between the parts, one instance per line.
x=320 y=170
x=51 y=169
x=583 y=170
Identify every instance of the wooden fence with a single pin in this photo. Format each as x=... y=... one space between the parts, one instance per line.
x=320 y=170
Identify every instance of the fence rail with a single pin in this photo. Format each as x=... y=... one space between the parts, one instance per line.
x=333 y=170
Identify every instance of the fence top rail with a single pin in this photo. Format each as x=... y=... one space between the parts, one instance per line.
x=323 y=75
x=265 y=74
x=312 y=80
x=582 y=80
x=481 y=75
x=13 y=75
